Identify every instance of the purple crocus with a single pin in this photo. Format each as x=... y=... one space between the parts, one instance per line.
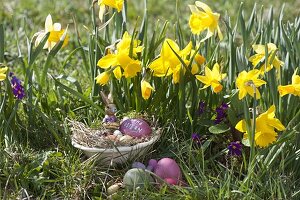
x=235 y=148
x=221 y=113
x=196 y=138
x=17 y=88
x=201 y=108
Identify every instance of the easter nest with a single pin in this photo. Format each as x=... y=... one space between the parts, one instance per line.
x=103 y=136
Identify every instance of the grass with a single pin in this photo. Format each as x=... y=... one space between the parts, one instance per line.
x=41 y=163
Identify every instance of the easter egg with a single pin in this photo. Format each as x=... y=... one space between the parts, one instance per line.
x=126 y=139
x=138 y=165
x=168 y=168
x=135 y=127
x=171 y=181
x=113 y=189
x=134 y=178
x=152 y=164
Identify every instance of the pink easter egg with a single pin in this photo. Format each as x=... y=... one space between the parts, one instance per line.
x=171 y=181
x=168 y=168
x=135 y=127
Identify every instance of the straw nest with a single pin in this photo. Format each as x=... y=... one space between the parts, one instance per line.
x=104 y=137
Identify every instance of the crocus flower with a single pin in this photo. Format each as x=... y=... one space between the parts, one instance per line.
x=56 y=34
x=17 y=88
x=146 y=89
x=2 y=73
x=212 y=78
x=235 y=148
x=260 y=55
x=202 y=19
x=102 y=78
x=221 y=113
x=247 y=82
x=196 y=138
x=117 y=4
x=293 y=88
x=119 y=60
x=201 y=107
x=266 y=123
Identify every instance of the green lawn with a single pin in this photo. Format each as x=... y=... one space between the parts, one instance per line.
x=37 y=159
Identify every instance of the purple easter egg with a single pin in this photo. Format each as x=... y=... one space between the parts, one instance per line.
x=135 y=127
x=152 y=162
x=138 y=165
x=168 y=168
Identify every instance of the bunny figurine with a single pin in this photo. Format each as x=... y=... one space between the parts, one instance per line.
x=110 y=120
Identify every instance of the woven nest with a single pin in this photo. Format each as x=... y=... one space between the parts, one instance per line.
x=103 y=137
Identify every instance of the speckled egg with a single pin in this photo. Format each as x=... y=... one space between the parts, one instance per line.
x=135 y=127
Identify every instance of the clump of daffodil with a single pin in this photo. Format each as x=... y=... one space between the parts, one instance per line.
x=146 y=89
x=3 y=71
x=248 y=82
x=169 y=64
x=293 y=88
x=266 y=123
x=260 y=51
x=212 y=78
x=103 y=78
x=203 y=18
x=119 y=61
x=56 y=34
x=117 y=4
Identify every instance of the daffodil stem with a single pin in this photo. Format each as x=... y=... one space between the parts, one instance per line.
x=45 y=70
x=137 y=94
x=252 y=142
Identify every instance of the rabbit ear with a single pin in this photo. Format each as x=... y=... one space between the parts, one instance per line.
x=110 y=98
x=104 y=98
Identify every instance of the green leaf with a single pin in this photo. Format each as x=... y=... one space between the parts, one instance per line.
x=1 y=43
x=219 y=128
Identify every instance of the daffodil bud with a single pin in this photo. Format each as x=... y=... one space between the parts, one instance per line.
x=103 y=78
x=146 y=89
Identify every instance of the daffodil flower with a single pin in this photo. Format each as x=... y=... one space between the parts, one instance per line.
x=119 y=60
x=248 y=82
x=146 y=89
x=103 y=78
x=212 y=78
x=117 y=4
x=169 y=64
x=202 y=19
x=56 y=34
x=293 y=88
x=266 y=123
x=2 y=73
x=260 y=55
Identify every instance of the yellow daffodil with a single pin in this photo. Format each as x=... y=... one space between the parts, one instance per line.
x=169 y=64
x=56 y=34
x=266 y=123
x=146 y=89
x=293 y=88
x=247 y=81
x=260 y=55
x=117 y=4
x=119 y=59
x=167 y=61
x=2 y=73
x=212 y=78
x=102 y=78
x=202 y=19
